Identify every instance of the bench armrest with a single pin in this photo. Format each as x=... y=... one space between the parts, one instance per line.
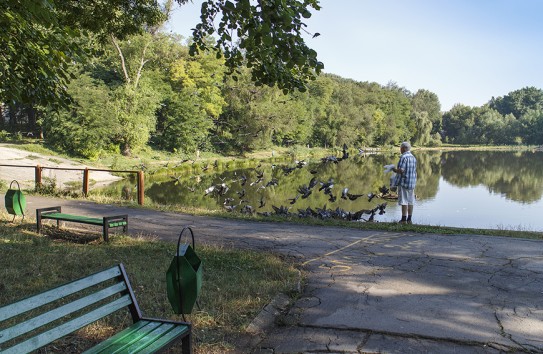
x=113 y=219
x=39 y=213
x=55 y=208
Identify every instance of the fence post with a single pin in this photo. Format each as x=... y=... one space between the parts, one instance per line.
x=141 y=188
x=37 y=177
x=86 y=181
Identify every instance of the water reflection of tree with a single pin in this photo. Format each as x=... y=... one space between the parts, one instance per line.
x=361 y=174
x=428 y=173
x=516 y=175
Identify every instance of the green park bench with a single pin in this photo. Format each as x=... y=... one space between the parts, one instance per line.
x=107 y=222
x=39 y=320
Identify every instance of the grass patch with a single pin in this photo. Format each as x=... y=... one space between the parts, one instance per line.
x=57 y=161
x=237 y=283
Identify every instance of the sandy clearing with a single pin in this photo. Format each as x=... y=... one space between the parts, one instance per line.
x=25 y=176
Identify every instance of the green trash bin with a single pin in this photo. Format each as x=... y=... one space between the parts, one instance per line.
x=184 y=277
x=15 y=201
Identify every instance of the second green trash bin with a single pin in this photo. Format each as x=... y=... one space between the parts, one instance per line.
x=184 y=277
x=15 y=201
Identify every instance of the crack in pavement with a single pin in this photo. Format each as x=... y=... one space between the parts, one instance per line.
x=527 y=347
x=369 y=333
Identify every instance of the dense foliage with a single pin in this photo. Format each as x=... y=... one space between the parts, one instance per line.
x=264 y=35
x=130 y=86
x=41 y=40
x=516 y=118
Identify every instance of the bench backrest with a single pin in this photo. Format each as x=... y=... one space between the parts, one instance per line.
x=40 y=319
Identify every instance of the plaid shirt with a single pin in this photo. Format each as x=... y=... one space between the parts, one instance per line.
x=408 y=164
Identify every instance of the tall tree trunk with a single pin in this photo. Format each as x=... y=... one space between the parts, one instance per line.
x=12 y=111
x=32 y=114
x=2 y=121
x=125 y=149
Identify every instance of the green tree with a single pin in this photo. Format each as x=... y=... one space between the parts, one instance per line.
x=41 y=41
x=134 y=114
x=479 y=125
x=394 y=102
x=426 y=101
x=266 y=36
x=195 y=101
x=423 y=125
x=531 y=126
x=36 y=53
x=518 y=102
x=457 y=122
x=85 y=128
x=259 y=116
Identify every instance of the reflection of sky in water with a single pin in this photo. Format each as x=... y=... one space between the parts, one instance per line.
x=473 y=207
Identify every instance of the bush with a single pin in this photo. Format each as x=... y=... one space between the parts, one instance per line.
x=4 y=136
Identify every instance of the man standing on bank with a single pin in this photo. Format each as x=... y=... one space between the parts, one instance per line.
x=405 y=181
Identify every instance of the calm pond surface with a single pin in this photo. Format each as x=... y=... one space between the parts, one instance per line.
x=476 y=189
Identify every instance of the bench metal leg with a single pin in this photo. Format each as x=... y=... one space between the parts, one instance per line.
x=38 y=220
x=186 y=344
x=125 y=227
x=106 y=231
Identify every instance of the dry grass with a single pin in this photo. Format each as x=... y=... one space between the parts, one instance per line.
x=237 y=283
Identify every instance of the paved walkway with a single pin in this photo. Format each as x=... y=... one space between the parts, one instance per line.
x=373 y=291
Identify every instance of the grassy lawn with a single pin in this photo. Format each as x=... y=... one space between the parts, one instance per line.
x=237 y=283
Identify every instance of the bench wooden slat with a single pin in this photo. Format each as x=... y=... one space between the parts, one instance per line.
x=149 y=338
x=142 y=337
x=171 y=335
x=68 y=327
x=53 y=315
x=118 y=223
x=132 y=338
x=119 y=336
x=36 y=301
x=70 y=217
x=80 y=219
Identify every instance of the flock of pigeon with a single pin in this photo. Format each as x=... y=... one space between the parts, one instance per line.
x=303 y=191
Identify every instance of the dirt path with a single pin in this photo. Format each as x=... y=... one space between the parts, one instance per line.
x=25 y=176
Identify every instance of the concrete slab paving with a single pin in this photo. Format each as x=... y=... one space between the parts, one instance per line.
x=373 y=291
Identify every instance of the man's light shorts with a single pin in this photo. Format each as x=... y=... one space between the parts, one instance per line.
x=406 y=196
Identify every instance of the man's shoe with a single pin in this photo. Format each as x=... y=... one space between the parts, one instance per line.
x=402 y=222
x=409 y=221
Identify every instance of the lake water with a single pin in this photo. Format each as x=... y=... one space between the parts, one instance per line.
x=475 y=189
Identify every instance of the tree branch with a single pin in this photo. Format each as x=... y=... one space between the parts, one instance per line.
x=142 y=63
x=123 y=64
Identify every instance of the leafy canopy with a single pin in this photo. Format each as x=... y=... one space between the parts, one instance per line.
x=42 y=40
x=265 y=35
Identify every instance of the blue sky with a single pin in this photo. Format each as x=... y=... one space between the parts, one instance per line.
x=465 y=51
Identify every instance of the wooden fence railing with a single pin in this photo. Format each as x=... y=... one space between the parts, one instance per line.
x=86 y=172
